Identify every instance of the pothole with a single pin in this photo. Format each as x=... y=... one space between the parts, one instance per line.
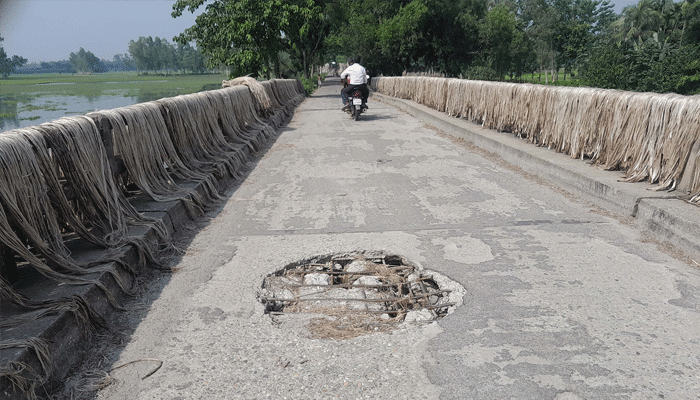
x=346 y=295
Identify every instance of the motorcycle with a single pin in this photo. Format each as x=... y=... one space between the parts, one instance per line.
x=356 y=106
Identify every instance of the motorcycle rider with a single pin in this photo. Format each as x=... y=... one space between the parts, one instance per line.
x=357 y=77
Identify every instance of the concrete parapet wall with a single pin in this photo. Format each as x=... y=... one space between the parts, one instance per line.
x=651 y=137
x=90 y=183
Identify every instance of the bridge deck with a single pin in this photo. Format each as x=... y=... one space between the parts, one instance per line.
x=564 y=300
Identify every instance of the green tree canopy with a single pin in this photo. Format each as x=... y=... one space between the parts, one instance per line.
x=653 y=46
x=187 y=58
x=85 y=62
x=249 y=35
x=157 y=54
x=639 y=22
x=8 y=65
x=491 y=39
x=151 y=54
x=392 y=36
x=498 y=31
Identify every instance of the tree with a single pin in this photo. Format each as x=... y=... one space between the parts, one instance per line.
x=497 y=33
x=8 y=65
x=540 y=19
x=563 y=31
x=123 y=62
x=151 y=54
x=249 y=35
x=355 y=32
x=304 y=28
x=187 y=58
x=652 y=47
x=639 y=22
x=579 y=22
x=607 y=66
x=85 y=62
x=401 y=36
x=453 y=32
x=690 y=30
x=161 y=53
x=393 y=36
x=137 y=50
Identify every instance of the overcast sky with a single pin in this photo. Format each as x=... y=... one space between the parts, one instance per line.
x=43 y=30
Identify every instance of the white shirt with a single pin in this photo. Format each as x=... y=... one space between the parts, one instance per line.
x=358 y=74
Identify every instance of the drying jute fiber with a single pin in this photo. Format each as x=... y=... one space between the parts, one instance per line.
x=652 y=137
x=57 y=183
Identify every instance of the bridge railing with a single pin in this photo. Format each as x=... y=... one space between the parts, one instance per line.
x=651 y=137
x=74 y=177
x=76 y=202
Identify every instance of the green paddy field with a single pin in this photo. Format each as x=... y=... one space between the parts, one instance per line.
x=35 y=98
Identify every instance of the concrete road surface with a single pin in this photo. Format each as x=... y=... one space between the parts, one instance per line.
x=564 y=300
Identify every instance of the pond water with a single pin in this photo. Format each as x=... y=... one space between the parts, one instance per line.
x=35 y=108
x=40 y=109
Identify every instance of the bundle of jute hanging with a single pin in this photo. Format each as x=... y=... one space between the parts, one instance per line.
x=281 y=109
x=199 y=141
x=253 y=128
x=21 y=376
x=24 y=378
x=162 y=144
x=218 y=105
x=141 y=139
x=292 y=90
x=70 y=150
x=430 y=92
x=685 y=122
x=27 y=209
x=200 y=147
x=240 y=125
x=262 y=101
x=36 y=164
x=650 y=136
x=78 y=151
x=289 y=90
x=271 y=89
x=285 y=95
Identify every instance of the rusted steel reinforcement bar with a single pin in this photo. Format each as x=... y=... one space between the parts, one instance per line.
x=368 y=311
x=390 y=300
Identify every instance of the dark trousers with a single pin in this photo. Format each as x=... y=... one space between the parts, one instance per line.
x=345 y=93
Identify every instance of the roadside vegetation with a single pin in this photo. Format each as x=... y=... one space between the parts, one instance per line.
x=653 y=45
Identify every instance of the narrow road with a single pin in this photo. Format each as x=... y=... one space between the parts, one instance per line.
x=564 y=301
